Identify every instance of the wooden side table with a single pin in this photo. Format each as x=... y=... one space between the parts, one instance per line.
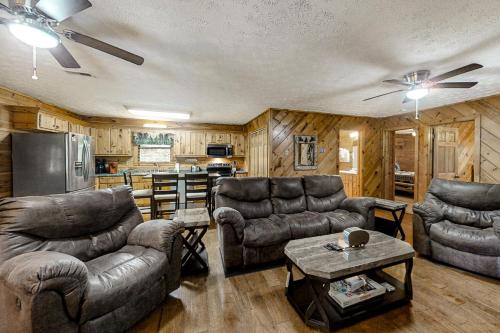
x=196 y=222
x=394 y=207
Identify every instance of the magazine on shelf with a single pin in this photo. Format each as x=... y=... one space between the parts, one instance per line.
x=342 y=292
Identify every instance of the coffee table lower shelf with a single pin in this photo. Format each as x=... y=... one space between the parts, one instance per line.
x=307 y=293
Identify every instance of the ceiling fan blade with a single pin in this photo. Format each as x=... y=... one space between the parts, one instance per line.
x=63 y=57
x=80 y=73
x=406 y=100
x=7 y=9
x=393 y=81
x=455 y=72
x=392 y=92
x=62 y=9
x=104 y=47
x=454 y=85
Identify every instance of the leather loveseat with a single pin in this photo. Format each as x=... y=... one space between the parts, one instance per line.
x=83 y=262
x=257 y=216
x=459 y=223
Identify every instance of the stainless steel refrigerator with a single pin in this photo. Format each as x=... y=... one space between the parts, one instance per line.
x=52 y=163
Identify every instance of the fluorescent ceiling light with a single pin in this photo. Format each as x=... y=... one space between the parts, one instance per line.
x=159 y=115
x=34 y=36
x=155 y=126
x=417 y=93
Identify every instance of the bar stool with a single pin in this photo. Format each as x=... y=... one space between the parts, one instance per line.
x=196 y=188
x=165 y=191
x=139 y=194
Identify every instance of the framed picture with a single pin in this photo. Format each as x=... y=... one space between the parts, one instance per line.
x=305 y=152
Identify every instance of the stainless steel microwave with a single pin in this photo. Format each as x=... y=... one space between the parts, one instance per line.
x=219 y=150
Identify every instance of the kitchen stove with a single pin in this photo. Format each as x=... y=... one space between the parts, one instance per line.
x=224 y=169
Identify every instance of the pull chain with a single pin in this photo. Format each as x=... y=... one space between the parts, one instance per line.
x=34 y=76
x=416 y=109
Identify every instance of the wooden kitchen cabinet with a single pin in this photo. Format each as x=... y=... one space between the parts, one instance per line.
x=121 y=141
x=238 y=142
x=218 y=137
x=103 y=143
x=190 y=143
x=36 y=119
x=113 y=141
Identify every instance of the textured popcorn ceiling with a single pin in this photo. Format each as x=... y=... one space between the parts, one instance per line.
x=226 y=61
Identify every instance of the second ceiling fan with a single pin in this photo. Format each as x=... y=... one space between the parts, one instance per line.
x=418 y=84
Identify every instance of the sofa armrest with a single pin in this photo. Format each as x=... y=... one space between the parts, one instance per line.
x=157 y=234
x=496 y=228
x=361 y=205
x=429 y=213
x=230 y=216
x=34 y=272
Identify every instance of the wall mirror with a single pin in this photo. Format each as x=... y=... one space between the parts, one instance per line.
x=306 y=152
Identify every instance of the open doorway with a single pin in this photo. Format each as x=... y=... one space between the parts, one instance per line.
x=349 y=161
x=405 y=165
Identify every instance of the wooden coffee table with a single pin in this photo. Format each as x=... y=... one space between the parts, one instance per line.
x=196 y=222
x=320 y=267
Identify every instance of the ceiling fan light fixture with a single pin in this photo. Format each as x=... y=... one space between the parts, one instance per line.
x=417 y=93
x=34 y=35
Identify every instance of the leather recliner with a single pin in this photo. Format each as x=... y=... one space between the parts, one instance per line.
x=459 y=223
x=83 y=262
x=257 y=216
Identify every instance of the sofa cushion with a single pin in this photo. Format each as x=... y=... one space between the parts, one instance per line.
x=249 y=195
x=115 y=278
x=342 y=219
x=306 y=224
x=266 y=231
x=466 y=238
x=323 y=193
x=287 y=195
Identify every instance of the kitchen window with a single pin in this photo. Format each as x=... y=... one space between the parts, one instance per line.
x=154 y=153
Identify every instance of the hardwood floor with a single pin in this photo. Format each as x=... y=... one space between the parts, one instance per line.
x=445 y=299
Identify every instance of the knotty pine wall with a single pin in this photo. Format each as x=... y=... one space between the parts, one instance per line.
x=284 y=124
x=404 y=151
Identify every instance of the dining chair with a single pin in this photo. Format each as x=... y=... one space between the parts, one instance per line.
x=196 y=188
x=165 y=194
x=139 y=194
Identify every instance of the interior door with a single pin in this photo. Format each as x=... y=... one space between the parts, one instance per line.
x=446 y=152
x=258 y=154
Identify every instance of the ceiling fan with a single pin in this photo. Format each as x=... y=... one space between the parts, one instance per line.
x=418 y=83
x=35 y=23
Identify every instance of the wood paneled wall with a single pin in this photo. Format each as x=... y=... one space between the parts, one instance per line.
x=287 y=123
x=404 y=151
x=485 y=113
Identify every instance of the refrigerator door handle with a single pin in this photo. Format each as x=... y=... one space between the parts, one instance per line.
x=84 y=160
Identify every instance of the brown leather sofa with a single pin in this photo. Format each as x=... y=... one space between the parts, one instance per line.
x=459 y=223
x=83 y=262
x=257 y=216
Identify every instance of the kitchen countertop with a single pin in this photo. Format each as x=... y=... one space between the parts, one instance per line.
x=146 y=173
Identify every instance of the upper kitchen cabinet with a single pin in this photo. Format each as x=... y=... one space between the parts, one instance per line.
x=190 y=143
x=80 y=129
x=33 y=118
x=238 y=142
x=113 y=141
x=218 y=137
